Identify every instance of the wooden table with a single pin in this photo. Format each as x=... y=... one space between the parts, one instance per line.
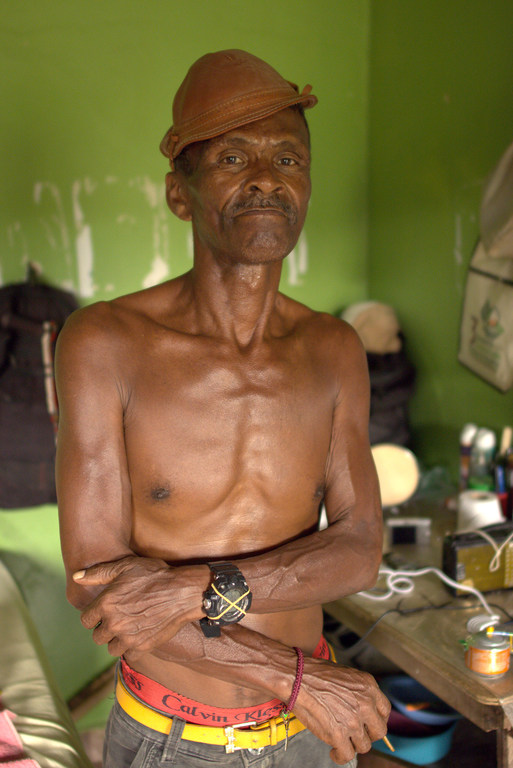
x=426 y=643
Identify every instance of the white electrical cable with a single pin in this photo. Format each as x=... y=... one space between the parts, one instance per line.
x=495 y=562
x=400 y=582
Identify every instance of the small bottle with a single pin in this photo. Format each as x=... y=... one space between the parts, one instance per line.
x=503 y=465
x=467 y=436
x=481 y=460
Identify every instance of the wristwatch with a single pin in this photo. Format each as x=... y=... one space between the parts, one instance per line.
x=226 y=601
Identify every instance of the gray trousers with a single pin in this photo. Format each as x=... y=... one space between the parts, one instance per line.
x=129 y=744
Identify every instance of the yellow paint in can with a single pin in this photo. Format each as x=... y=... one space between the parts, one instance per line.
x=488 y=655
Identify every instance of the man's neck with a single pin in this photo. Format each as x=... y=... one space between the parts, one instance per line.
x=235 y=302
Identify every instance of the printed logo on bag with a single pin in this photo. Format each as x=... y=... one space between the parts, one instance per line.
x=491 y=318
x=485 y=330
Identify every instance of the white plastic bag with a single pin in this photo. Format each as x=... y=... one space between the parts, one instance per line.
x=486 y=335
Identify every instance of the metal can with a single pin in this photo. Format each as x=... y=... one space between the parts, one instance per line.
x=488 y=654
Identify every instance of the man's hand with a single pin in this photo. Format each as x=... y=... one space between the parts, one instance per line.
x=342 y=706
x=144 y=604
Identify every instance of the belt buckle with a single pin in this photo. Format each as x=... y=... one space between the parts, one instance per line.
x=229 y=732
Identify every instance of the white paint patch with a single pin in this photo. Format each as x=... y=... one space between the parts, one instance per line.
x=458 y=256
x=298 y=262
x=58 y=219
x=83 y=241
x=159 y=272
x=17 y=242
x=125 y=218
x=190 y=244
x=151 y=190
x=154 y=195
x=67 y=285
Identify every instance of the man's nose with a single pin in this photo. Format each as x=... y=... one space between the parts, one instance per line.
x=264 y=177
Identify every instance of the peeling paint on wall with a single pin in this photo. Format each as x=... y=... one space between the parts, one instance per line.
x=297 y=262
x=83 y=241
x=72 y=226
x=159 y=272
x=86 y=232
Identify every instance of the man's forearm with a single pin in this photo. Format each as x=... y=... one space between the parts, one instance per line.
x=240 y=656
x=314 y=569
x=159 y=599
x=344 y=707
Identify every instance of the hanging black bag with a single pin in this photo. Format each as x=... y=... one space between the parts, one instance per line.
x=31 y=316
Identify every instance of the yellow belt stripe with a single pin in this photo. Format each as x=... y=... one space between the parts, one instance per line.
x=262 y=735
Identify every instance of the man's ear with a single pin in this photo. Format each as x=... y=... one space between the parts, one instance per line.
x=177 y=197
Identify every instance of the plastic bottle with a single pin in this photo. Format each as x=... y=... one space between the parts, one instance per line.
x=481 y=460
x=503 y=472
x=467 y=436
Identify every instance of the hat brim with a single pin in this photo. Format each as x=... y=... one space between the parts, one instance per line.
x=227 y=116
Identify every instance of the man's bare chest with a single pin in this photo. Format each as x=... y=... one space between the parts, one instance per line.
x=204 y=383
x=228 y=441
x=201 y=404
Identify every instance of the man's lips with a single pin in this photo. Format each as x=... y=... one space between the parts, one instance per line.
x=273 y=206
x=260 y=211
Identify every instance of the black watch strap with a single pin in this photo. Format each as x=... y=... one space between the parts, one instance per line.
x=210 y=628
x=227 y=599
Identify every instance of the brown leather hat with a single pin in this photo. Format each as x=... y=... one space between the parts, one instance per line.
x=225 y=90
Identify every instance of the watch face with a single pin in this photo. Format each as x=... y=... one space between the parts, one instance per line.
x=228 y=597
x=233 y=595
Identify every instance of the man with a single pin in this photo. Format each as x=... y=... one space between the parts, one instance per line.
x=203 y=422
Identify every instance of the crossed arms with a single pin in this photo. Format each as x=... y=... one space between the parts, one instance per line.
x=147 y=606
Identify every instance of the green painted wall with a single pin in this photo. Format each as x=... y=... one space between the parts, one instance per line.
x=440 y=117
x=89 y=92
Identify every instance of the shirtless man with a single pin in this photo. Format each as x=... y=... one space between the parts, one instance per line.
x=203 y=421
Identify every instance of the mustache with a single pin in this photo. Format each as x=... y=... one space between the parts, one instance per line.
x=258 y=201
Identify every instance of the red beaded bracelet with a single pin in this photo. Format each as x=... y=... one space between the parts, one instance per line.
x=297 y=682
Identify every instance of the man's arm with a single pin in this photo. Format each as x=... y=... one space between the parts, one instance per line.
x=93 y=485
x=342 y=706
x=344 y=558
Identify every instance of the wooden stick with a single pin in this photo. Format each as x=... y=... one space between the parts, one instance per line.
x=387 y=742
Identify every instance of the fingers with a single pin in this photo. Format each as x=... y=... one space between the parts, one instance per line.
x=91 y=617
x=116 y=646
x=103 y=573
x=341 y=756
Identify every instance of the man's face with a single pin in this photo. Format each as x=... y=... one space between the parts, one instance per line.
x=248 y=194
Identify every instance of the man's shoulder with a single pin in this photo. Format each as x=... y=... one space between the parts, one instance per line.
x=98 y=320
x=118 y=316
x=326 y=328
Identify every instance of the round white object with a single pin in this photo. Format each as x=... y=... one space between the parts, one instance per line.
x=398 y=473
x=477 y=509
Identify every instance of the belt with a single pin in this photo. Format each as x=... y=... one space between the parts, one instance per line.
x=255 y=737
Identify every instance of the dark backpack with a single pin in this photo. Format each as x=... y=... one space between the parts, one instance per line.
x=392 y=380
x=31 y=316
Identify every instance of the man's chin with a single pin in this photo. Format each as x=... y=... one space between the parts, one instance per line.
x=264 y=249
x=252 y=257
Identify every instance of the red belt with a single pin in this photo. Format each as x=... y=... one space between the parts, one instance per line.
x=170 y=703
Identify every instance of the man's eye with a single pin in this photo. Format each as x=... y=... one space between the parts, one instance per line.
x=287 y=161
x=231 y=160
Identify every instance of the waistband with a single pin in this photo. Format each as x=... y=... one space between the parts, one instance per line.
x=169 y=703
x=232 y=738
